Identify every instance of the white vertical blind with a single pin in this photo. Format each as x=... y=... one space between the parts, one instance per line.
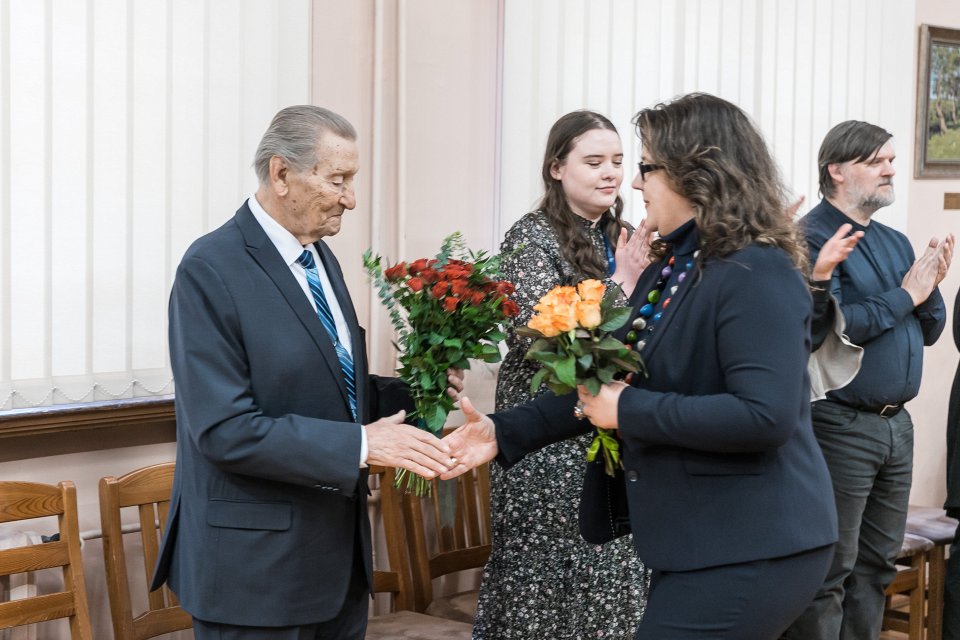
x=127 y=129
x=798 y=67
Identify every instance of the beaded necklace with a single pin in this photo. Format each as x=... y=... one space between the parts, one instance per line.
x=649 y=314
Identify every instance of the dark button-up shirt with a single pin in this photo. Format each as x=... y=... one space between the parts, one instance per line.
x=879 y=313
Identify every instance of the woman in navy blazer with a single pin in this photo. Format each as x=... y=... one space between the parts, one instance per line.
x=729 y=495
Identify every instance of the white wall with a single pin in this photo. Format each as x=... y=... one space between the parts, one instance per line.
x=928 y=218
x=797 y=66
x=127 y=129
x=418 y=78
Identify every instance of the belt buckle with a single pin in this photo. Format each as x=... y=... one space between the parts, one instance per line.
x=893 y=410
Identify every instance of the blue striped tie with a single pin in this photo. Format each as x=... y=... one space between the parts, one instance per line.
x=326 y=318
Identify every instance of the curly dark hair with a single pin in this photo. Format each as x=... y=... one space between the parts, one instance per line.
x=575 y=246
x=715 y=157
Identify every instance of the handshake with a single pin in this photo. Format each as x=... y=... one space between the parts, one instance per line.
x=391 y=443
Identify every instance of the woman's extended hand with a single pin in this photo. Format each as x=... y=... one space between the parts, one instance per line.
x=601 y=409
x=473 y=443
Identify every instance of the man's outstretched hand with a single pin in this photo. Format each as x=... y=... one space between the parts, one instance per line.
x=473 y=443
x=390 y=443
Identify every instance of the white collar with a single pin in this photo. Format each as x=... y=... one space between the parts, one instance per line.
x=285 y=242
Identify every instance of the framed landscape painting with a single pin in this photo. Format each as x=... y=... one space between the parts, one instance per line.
x=938 y=104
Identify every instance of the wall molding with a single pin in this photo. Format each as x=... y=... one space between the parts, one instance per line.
x=90 y=426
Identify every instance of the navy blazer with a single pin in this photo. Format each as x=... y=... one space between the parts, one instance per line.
x=269 y=501
x=720 y=459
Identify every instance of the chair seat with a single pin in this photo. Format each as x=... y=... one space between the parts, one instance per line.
x=914 y=544
x=460 y=606
x=416 y=626
x=931 y=523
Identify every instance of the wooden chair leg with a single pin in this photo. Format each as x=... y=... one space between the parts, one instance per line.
x=936 y=575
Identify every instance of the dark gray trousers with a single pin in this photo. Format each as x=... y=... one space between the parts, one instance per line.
x=871 y=464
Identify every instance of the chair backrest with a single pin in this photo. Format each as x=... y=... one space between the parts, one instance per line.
x=26 y=501
x=457 y=537
x=396 y=580
x=148 y=489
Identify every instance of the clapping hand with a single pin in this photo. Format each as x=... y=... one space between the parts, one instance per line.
x=632 y=257
x=473 y=443
x=929 y=269
x=834 y=251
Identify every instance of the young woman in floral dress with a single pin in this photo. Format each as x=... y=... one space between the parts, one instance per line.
x=543 y=580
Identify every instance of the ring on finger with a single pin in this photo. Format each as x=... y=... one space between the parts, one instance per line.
x=578 y=411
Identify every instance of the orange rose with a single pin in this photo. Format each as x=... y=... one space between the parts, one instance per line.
x=588 y=314
x=591 y=291
x=543 y=325
x=558 y=310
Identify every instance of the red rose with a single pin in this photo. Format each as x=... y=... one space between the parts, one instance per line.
x=477 y=298
x=505 y=288
x=459 y=287
x=417 y=266
x=429 y=275
x=415 y=283
x=396 y=272
x=439 y=290
x=509 y=308
x=456 y=271
x=450 y=304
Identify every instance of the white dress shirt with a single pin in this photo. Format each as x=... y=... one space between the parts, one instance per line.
x=290 y=249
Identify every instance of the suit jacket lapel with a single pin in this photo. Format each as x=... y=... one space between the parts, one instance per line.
x=265 y=254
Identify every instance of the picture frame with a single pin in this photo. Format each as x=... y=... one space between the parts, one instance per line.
x=938 y=104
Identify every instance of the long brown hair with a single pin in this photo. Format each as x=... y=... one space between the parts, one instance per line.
x=575 y=246
x=716 y=158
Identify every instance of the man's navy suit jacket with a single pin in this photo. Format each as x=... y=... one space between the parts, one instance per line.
x=269 y=501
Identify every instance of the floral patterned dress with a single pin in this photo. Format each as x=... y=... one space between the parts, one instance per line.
x=542 y=579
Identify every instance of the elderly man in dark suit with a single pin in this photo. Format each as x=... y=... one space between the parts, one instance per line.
x=277 y=416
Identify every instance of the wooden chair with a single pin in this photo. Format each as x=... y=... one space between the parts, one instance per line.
x=457 y=517
x=147 y=489
x=935 y=525
x=21 y=501
x=910 y=582
x=396 y=580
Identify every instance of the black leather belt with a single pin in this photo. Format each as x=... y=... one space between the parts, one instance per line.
x=884 y=411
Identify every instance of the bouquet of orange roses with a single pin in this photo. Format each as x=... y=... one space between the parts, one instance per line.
x=573 y=345
x=453 y=306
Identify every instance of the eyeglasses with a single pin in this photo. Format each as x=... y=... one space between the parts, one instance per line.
x=647 y=168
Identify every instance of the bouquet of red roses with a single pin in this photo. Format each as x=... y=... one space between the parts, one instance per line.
x=453 y=306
